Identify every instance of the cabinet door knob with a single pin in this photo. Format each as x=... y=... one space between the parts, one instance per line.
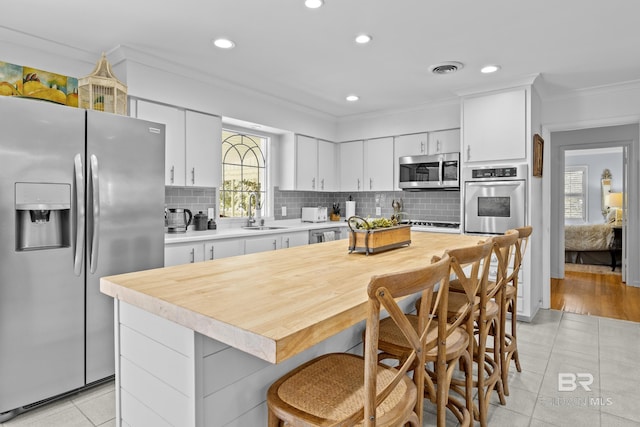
x=313 y=184
x=211 y=252
x=193 y=255
x=370 y=183
x=468 y=152
x=322 y=184
x=172 y=173
x=358 y=183
x=287 y=240
x=193 y=176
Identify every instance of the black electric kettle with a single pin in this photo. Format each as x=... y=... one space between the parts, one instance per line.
x=177 y=219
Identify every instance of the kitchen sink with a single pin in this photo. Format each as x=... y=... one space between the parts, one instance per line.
x=262 y=227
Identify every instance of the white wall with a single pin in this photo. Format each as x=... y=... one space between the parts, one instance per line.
x=28 y=51
x=432 y=117
x=163 y=81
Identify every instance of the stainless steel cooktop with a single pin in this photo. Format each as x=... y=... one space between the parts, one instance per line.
x=434 y=226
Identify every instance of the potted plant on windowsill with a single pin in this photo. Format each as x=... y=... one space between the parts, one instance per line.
x=335 y=212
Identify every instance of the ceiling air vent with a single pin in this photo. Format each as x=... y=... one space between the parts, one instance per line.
x=446 y=67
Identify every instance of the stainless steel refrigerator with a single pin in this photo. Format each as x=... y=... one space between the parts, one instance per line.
x=81 y=197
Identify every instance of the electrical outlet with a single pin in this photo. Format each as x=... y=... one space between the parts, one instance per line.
x=284 y=211
x=378 y=210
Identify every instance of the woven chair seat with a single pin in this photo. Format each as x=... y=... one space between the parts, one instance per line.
x=456 y=286
x=330 y=388
x=510 y=292
x=391 y=339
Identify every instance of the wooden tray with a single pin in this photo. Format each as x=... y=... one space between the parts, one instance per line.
x=371 y=241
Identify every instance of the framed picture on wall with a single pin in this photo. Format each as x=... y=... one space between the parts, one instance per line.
x=538 y=150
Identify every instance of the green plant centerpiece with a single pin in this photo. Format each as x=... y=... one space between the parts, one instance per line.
x=377 y=234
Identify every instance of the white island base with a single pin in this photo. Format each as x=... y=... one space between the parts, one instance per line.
x=170 y=375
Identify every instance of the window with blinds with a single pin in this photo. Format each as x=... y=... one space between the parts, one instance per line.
x=575 y=192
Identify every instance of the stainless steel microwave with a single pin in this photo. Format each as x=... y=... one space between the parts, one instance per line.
x=431 y=171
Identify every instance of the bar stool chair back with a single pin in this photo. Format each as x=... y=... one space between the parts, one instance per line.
x=505 y=253
x=343 y=389
x=511 y=301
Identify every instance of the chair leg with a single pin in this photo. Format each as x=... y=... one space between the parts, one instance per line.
x=272 y=419
x=514 y=325
x=504 y=356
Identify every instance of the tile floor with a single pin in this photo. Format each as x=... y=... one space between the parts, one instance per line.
x=554 y=343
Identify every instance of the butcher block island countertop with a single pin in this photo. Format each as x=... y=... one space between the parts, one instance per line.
x=275 y=304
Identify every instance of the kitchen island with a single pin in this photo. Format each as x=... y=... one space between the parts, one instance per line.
x=199 y=344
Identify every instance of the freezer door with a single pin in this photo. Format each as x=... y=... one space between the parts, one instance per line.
x=41 y=298
x=125 y=218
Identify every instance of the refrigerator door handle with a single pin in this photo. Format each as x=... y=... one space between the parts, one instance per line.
x=80 y=214
x=95 y=205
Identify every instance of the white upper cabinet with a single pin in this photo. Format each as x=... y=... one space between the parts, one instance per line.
x=444 y=141
x=378 y=164
x=352 y=166
x=203 y=149
x=174 y=121
x=315 y=165
x=327 y=160
x=192 y=144
x=411 y=145
x=306 y=163
x=494 y=127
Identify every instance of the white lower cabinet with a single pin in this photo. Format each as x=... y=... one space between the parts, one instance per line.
x=223 y=248
x=262 y=244
x=290 y=240
x=183 y=253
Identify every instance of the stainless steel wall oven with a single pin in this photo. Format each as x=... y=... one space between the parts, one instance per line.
x=495 y=198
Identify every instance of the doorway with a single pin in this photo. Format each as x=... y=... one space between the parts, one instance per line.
x=606 y=138
x=594 y=180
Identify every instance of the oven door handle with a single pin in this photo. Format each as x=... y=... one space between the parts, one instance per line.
x=494 y=184
x=440 y=170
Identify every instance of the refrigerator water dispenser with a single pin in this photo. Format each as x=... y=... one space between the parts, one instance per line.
x=42 y=216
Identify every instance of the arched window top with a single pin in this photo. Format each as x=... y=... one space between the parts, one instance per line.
x=239 y=149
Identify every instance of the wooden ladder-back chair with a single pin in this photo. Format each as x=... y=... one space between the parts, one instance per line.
x=458 y=310
x=483 y=317
x=505 y=254
x=343 y=389
x=510 y=351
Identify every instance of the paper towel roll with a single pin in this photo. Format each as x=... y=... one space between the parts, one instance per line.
x=350 y=209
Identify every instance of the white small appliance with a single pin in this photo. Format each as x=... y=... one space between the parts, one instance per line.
x=317 y=214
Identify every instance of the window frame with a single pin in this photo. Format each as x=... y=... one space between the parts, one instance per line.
x=583 y=194
x=265 y=190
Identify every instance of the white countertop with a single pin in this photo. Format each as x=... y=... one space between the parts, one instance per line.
x=289 y=225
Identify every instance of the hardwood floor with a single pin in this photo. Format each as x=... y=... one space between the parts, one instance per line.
x=597 y=294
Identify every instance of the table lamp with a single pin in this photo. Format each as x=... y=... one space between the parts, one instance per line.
x=614 y=201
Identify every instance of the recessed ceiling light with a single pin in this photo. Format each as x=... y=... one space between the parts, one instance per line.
x=224 y=43
x=490 y=69
x=446 y=67
x=352 y=98
x=363 y=39
x=313 y=4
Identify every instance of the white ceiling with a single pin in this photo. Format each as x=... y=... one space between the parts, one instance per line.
x=309 y=57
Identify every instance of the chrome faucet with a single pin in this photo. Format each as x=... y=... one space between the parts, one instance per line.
x=252 y=219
